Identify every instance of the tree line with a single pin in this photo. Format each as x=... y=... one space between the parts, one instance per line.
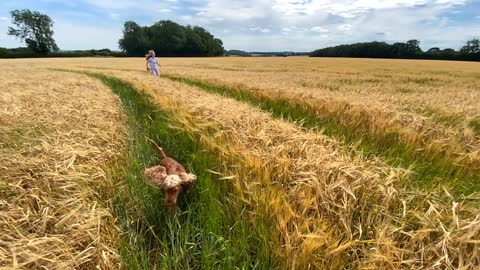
x=168 y=38
x=409 y=50
x=264 y=54
x=29 y=53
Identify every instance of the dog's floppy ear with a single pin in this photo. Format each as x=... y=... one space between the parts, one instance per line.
x=188 y=177
x=172 y=181
x=156 y=175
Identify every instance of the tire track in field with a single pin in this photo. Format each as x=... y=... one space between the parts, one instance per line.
x=214 y=228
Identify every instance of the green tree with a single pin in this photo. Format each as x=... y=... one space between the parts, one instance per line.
x=472 y=47
x=449 y=53
x=408 y=50
x=35 y=29
x=218 y=47
x=434 y=50
x=194 y=45
x=135 y=40
x=168 y=38
x=213 y=46
x=413 y=47
x=399 y=49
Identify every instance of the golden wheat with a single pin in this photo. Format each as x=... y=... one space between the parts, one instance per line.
x=56 y=131
x=429 y=106
x=429 y=103
x=331 y=210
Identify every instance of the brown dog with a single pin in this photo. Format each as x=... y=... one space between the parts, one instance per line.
x=170 y=175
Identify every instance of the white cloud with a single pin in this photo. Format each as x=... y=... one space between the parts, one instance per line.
x=4 y=19
x=345 y=21
x=344 y=27
x=352 y=8
x=319 y=29
x=450 y=2
x=114 y=15
x=125 y=7
x=235 y=10
x=259 y=29
x=116 y=4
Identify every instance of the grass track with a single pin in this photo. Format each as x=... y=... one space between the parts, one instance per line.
x=212 y=232
x=430 y=169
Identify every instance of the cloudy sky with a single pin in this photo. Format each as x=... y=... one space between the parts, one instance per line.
x=261 y=25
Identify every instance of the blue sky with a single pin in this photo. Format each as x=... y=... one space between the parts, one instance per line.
x=261 y=25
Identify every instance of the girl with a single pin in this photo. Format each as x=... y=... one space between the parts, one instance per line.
x=152 y=63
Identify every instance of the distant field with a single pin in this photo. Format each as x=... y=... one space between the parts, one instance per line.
x=303 y=163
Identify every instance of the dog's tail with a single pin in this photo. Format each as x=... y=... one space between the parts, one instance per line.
x=159 y=149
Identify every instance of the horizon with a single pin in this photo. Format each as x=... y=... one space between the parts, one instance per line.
x=261 y=26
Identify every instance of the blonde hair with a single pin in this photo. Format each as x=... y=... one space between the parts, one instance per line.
x=151 y=52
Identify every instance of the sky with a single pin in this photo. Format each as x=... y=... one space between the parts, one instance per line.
x=260 y=25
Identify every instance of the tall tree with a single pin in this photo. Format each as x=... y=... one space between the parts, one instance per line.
x=35 y=29
x=413 y=47
x=194 y=45
x=134 y=41
x=168 y=38
x=399 y=49
x=472 y=47
x=434 y=50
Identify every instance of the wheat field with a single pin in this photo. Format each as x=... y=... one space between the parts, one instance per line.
x=55 y=132
x=302 y=163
